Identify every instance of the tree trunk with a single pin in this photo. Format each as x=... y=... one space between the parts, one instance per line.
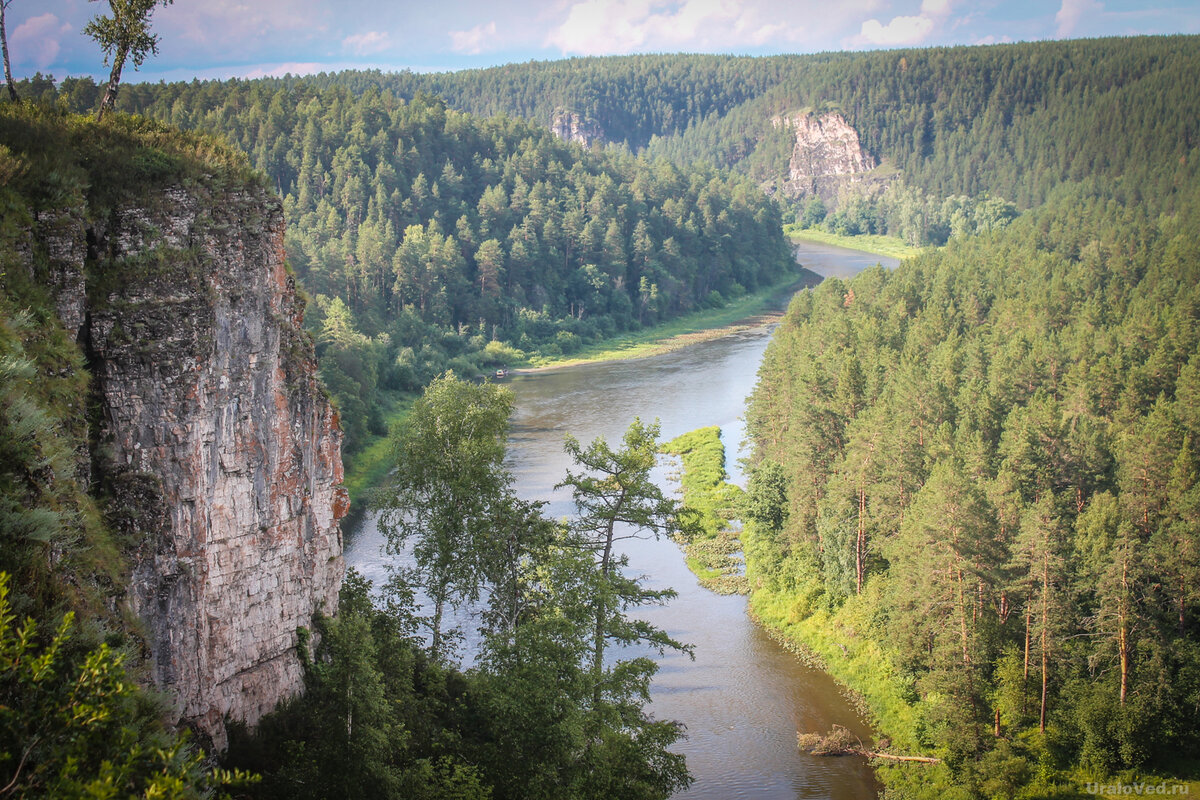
x=962 y=620
x=601 y=616
x=439 y=605
x=861 y=545
x=1045 y=638
x=1025 y=675
x=1122 y=630
x=114 y=80
x=12 y=89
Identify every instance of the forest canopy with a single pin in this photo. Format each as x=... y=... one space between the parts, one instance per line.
x=991 y=481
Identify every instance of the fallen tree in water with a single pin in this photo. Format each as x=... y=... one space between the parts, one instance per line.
x=841 y=742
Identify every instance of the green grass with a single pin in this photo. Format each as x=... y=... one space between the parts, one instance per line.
x=890 y=246
x=711 y=547
x=680 y=332
x=835 y=643
x=368 y=467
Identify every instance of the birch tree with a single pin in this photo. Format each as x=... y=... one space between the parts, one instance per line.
x=124 y=36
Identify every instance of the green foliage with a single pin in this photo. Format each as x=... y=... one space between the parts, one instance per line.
x=989 y=489
x=36 y=497
x=450 y=492
x=125 y=34
x=442 y=232
x=616 y=500
x=376 y=720
x=710 y=544
x=540 y=716
x=626 y=751
x=72 y=724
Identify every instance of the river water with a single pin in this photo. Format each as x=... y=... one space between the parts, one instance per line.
x=744 y=697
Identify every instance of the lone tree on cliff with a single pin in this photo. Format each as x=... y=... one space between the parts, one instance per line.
x=125 y=35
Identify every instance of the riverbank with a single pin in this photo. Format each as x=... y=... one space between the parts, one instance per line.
x=890 y=246
x=751 y=311
x=839 y=644
x=370 y=465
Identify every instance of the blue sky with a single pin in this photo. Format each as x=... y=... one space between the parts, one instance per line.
x=252 y=38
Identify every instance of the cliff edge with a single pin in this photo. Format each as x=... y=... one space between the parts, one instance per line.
x=211 y=444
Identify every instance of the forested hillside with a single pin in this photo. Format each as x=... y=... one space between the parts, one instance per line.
x=430 y=238
x=631 y=98
x=425 y=233
x=1011 y=121
x=990 y=461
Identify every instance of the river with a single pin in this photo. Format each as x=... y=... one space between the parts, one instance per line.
x=744 y=697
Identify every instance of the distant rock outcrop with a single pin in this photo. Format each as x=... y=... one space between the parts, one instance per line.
x=211 y=434
x=571 y=126
x=826 y=157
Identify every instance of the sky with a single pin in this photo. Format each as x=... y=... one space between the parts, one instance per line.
x=255 y=38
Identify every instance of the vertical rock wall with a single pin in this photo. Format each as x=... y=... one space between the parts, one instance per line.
x=213 y=435
x=826 y=156
x=571 y=126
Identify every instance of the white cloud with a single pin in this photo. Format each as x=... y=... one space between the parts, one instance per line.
x=362 y=44
x=597 y=27
x=37 y=41
x=279 y=70
x=227 y=25
x=475 y=40
x=1072 y=11
x=935 y=8
x=901 y=30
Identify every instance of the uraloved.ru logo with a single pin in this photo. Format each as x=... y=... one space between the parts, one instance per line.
x=1134 y=789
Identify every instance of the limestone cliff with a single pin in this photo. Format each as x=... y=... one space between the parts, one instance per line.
x=211 y=434
x=571 y=126
x=826 y=156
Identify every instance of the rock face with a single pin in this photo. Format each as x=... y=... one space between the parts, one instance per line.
x=213 y=437
x=826 y=157
x=571 y=126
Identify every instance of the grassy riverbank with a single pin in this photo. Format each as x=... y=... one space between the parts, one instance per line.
x=747 y=312
x=890 y=246
x=369 y=466
x=840 y=643
x=835 y=644
x=711 y=547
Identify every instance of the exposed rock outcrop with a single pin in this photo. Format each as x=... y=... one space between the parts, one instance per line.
x=571 y=126
x=211 y=435
x=826 y=157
